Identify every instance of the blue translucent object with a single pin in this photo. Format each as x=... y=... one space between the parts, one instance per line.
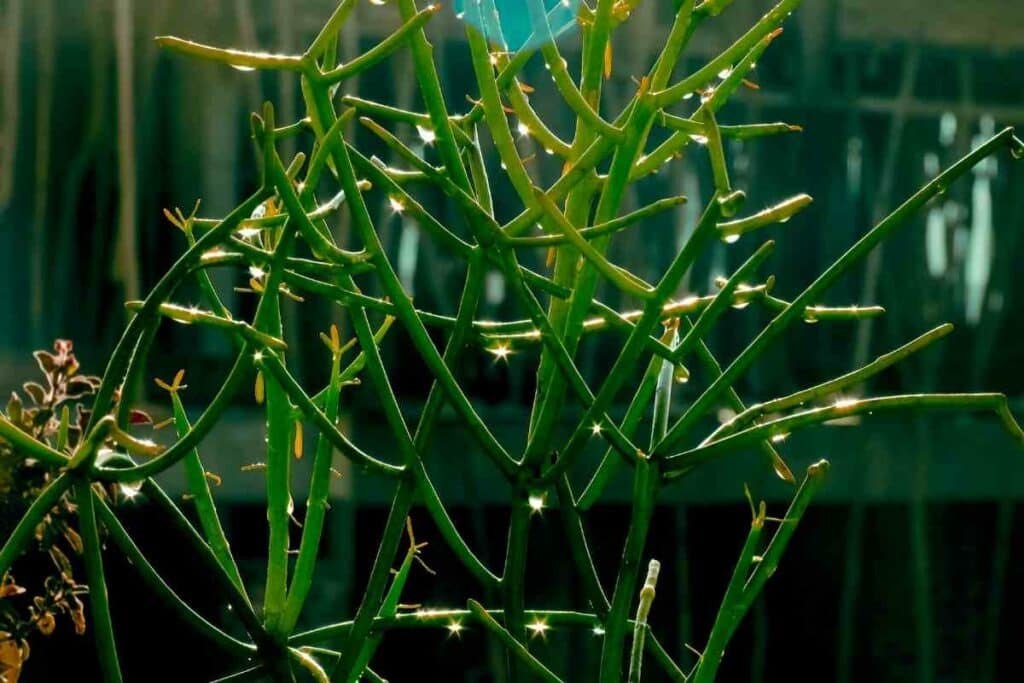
x=509 y=23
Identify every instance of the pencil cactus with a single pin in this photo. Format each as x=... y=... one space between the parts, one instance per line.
x=280 y=234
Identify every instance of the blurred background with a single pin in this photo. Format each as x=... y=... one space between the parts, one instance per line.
x=908 y=567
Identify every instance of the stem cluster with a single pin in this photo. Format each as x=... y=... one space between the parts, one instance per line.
x=281 y=234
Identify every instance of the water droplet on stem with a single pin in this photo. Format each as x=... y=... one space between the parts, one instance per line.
x=681 y=374
x=731 y=203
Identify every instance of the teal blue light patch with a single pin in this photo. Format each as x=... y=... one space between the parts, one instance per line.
x=509 y=23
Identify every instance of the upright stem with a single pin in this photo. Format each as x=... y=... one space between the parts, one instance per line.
x=102 y=625
x=645 y=489
x=377 y=584
x=513 y=579
x=279 y=425
x=316 y=507
x=636 y=654
x=199 y=487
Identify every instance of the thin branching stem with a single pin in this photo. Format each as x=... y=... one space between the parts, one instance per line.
x=283 y=235
x=152 y=577
x=102 y=622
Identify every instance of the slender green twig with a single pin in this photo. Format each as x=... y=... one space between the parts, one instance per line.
x=102 y=624
x=643 y=328
x=375 y=587
x=780 y=213
x=26 y=526
x=512 y=643
x=200 y=428
x=383 y=49
x=746 y=584
x=640 y=623
x=390 y=605
x=832 y=386
x=201 y=552
x=152 y=577
x=683 y=462
x=31 y=447
x=316 y=504
x=513 y=586
x=323 y=423
x=888 y=225
x=239 y=59
x=124 y=358
x=646 y=482
x=193 y=315
x=199 y=488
